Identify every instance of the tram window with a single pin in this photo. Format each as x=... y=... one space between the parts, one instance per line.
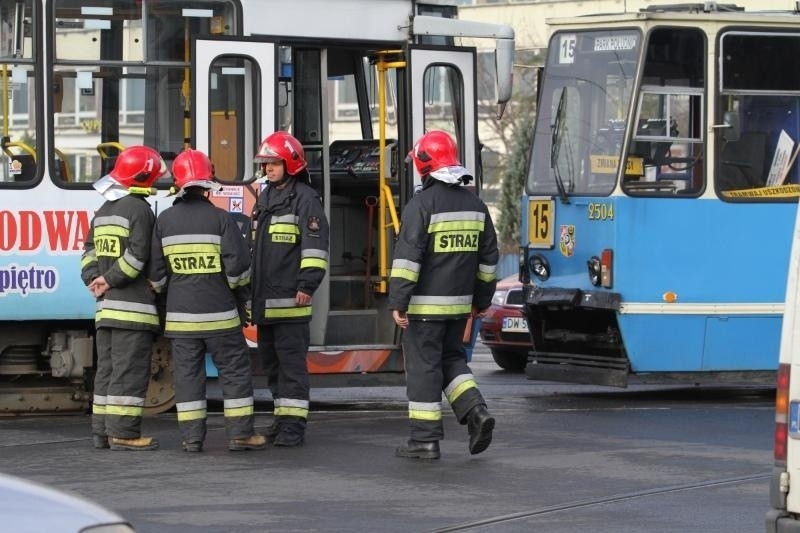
x=105 y=105
x=97 y=31
x=19 y=161
x=668 y=143
x=443 y=96
x=760 y=62
x=113 y=89
x=760 y=102
x=666 y=155
x=233 y=84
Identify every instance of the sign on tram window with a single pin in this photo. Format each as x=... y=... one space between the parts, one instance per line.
x=566 y=48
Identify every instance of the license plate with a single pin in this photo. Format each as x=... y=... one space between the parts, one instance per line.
x=515 y=324
x=794 y=419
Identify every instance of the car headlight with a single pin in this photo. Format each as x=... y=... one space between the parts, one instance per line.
x=499 y=297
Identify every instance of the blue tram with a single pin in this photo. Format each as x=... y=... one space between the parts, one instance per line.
x=660 y=198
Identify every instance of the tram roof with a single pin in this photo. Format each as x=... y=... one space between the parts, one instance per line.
x=683 y=13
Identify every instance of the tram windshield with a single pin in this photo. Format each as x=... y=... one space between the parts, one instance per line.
x=584 y=102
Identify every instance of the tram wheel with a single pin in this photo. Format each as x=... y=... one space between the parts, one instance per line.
x=160 y=394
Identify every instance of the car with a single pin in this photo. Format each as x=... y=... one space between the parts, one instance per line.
x=29 y=507
x=504 y=329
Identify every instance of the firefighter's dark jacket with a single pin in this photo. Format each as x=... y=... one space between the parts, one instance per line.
x=289 y=235
x=445 y=259
x=202 y=261
x=117 y=247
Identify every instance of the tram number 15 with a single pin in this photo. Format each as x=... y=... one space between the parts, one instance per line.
x=540 y=223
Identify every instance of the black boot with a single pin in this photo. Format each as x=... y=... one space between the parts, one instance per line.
x=480 y=425
x=291 y=432
x=192 y=446
x=416 y=449
x=273 y=430
x=100 y=442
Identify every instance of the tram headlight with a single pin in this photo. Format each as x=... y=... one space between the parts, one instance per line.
x=594 y=266
x=539 y=266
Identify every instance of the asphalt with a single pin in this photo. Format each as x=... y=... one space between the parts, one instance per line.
x=563 y=459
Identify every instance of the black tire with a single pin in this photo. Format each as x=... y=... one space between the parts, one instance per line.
x=510 y=361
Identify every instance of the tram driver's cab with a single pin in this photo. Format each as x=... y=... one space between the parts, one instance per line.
x=668 y=141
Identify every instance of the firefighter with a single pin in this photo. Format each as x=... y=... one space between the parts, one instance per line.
x=202 y=262
x=290 y=257
x=115 y=254
x=443 y=271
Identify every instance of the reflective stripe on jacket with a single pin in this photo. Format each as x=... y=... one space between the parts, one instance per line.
x=202 y=262
x=117 y=247
x=446 y=255
x=290 y=251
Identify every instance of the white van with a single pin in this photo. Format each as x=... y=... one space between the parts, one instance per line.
x=784 y=492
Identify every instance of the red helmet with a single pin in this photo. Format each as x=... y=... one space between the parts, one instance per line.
x=193 y=168
x=433 y=151
x=138 y=166
x=281 y=145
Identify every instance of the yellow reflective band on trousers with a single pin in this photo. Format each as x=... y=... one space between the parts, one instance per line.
x=288 y=312
x=291 y=411
x=124 y=410
x=98 y=409
x=126 y=316
x=197 y=414
x=424 y=414
x=459 y=389
x=212 y=325
x=239 y=411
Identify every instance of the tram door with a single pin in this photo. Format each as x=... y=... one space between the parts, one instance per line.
x=234 y=104
x=445 y=76
x=237 y=98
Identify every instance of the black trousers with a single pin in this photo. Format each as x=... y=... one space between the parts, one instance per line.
x=435 y=362
x=120 y=384
x=283 y=348
x=231 y=356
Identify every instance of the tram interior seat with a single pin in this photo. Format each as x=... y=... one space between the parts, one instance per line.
x=743 y=162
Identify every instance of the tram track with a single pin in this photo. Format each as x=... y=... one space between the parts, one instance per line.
x=583 y=504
